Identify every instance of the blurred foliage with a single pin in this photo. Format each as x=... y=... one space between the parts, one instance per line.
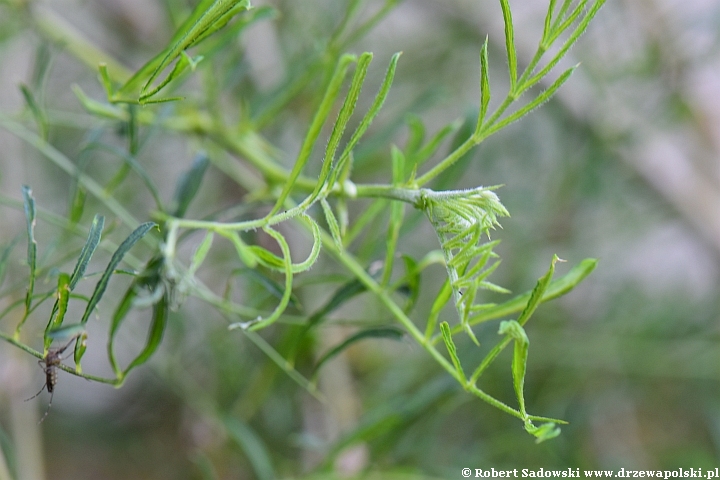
x=630 y=358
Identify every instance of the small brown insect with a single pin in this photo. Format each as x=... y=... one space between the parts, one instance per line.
x=52 y=359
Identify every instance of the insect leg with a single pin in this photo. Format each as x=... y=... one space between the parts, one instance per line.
x=38 y=393
x=61 y=350
x=40 y=362
x=48 y=409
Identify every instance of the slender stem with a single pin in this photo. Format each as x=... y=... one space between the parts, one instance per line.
x=493 y=401
x=21 y=345
x=115 y=382
x=354 y=266
x=388 y=191
x=449 y=160
x=480 y=134
x=35 y=353
x=520 y=86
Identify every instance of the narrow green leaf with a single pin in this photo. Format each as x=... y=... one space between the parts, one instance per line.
x=62 y=295
x=392 y=333
x=372 y=111
x=332 y=224
x=343 y=118
x=561 y=22
x=213 y=18
x=42 y=63
x=397 y=210
x=556 y=289
x=398 y=166
x=332 y=91
x=484 y=85
x=533 y=301
x=563 y=9
x=201 y=252
x=133 y=84
x=538 y=418
x=538 y=292
x=442 y=298
x=560 y=27
x=155 y=334
x=431 y=147
x=117 y=257
x=546 y=431
x=252 y=446
x=343 y=294
x=91 y=244
x=489 y=358
x=99 y=109
x=470 y=333
x=222 y=20
x=519 y=362
x=412 y=282
x=189 y=184
x=245 y=253
x=183 y=61
x=510 y=43
x=121 y=312
x=77 y=204
x=532 y=105
x=579 y=30
x=132 y=130
x=37 y=112
x=547 y=29
x=154 y=101
x=416 y=134
x=343 y=216
x=266 y=258
x=450 y=345
x=80 y=348
x=30 y=221
x=105 y=80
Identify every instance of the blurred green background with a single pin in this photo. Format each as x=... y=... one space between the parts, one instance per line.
x=623 y=165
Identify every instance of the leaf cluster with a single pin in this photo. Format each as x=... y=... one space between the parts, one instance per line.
x=315 y=204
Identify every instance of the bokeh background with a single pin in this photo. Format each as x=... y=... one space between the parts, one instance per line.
x=622 y=165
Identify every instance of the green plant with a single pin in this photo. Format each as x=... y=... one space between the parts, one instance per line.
x=321 y=206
